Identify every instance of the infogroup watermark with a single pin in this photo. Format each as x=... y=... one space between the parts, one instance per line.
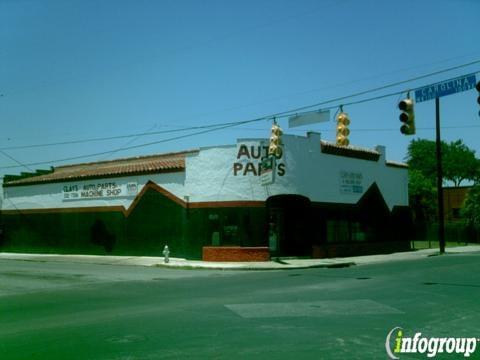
x=397 y=344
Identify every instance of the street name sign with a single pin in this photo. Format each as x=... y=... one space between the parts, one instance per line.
x=310 y=117
x=448 y=87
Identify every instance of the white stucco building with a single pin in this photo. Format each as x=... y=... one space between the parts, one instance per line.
x=323 y=200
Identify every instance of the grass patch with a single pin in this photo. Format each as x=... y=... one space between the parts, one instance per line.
x=419 y=245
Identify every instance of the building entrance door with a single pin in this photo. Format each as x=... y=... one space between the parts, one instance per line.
x=290 y=225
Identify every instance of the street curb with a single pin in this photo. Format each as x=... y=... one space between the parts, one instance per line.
x=249 y=268
x=184 y=264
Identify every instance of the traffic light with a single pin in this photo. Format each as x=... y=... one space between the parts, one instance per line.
x=407 y=116
x=275 y=147
x=342 y=129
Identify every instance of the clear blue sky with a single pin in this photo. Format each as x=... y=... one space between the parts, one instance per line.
x=80 y=69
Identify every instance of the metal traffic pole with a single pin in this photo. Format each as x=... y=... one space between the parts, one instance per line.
x=435 y=91
x=438 y=143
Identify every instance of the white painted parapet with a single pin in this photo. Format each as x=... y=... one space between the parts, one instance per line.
x=231 y=173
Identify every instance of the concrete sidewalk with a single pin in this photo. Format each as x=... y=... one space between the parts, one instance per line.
x=282 y=264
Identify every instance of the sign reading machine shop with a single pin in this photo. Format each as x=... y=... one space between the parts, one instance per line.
x=351 y=182
x=100 y=190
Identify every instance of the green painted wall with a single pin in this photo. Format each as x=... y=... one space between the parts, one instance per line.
x=157 y=220
x=153 y=223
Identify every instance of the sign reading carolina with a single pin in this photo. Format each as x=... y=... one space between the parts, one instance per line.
x=249 y=159
x=99 y=190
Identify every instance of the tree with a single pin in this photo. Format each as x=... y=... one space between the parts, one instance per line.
x=476 y=179
x=422 y=197
x=458 y=161
x=421 y=157
x=459 y=164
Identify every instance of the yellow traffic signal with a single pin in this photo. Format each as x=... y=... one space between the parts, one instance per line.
x=342 y=129
x=275 y=147
x=407 y=116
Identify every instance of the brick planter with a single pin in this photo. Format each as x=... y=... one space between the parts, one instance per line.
x=235 y=253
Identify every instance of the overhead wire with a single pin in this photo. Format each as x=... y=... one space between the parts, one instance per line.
x=15 y=160
x=220 y=126
x=278 y=115
x=383 y=87
x=129 y=147
x=378 y=129
x=108 y=138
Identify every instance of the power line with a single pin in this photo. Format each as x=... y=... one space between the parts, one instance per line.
x=215 y=127
x=188 y=135
x=20 y=164
x=380 y=88
x=131 y=147
x=417 y=128
x=378 y=129
x=279 y=115
x=82 y=141
x=131 y=141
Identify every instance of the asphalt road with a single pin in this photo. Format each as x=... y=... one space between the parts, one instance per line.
x=81 y=311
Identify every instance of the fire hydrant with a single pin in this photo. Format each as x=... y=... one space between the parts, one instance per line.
x=166 y=253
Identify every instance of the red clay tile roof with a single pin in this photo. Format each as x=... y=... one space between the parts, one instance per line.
x=397 y=164
x=171 y=162
x=349 y=151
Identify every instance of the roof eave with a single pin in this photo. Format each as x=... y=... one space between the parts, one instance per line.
x=32 y=181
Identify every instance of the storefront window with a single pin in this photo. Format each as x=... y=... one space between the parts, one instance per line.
x=230 y=235
x=224 y=230
x=345 y=231
x=358 y=233
x=338 y=231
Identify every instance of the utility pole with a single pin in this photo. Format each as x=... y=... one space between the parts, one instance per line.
x=435 y=91
x=438 y=145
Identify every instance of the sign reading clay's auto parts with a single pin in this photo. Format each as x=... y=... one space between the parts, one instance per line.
x=100 y=190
